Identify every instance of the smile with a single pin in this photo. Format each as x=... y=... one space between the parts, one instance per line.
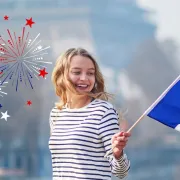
x=82 y=85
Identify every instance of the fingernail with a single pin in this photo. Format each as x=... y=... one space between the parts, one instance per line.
x=121 y=134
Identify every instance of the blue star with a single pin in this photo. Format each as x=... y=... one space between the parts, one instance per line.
x=0 y=106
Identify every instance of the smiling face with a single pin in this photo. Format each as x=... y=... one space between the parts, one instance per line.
x=77 y=73
x=82 y=73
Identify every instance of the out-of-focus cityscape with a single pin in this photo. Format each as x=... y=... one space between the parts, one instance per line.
x=137 y=45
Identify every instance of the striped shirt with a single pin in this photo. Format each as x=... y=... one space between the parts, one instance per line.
x=80 y=139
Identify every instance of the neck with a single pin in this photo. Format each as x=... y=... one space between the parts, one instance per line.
x=77 y=101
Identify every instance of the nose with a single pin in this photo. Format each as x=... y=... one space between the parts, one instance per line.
x=83 y=77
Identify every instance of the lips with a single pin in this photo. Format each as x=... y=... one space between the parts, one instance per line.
x=82 y=85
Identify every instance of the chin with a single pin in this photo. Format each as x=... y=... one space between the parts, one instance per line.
x=81 y=92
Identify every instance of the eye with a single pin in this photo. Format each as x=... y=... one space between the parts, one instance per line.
x=76 y=72
x=91 y=73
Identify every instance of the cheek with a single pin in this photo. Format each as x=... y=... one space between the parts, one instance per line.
x=93 y=81
x=73 y=78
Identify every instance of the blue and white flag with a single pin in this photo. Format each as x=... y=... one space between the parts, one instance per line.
x=166 y=109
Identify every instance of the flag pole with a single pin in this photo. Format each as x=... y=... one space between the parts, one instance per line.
x=155 y=103
x=149 y=109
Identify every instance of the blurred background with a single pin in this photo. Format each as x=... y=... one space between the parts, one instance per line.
x=136 y=43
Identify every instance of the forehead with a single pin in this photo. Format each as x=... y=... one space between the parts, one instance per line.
x=81 y=62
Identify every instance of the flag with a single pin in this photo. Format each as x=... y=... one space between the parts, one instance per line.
x=166 y=108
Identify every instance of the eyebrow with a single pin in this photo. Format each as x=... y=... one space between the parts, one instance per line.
x=80 y=68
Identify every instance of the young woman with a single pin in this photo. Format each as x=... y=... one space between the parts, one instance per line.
x=84 y=125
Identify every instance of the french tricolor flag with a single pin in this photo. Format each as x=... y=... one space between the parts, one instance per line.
x=166 y=109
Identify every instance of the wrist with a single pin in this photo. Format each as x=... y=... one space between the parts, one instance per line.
x=118 y=155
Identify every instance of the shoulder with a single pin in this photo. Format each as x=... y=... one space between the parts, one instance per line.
x=104 y=105
x=107 y=107
x=109 y=114
x=54 y=111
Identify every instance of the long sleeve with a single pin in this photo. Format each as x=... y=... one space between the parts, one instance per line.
x=107 y=128
x=51 y=121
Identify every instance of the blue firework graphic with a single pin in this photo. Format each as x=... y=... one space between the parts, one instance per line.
x=21 y=58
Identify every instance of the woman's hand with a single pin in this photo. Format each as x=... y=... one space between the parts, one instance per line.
x=119 y=141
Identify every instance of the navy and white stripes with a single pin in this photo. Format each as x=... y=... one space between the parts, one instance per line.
x=79 y=140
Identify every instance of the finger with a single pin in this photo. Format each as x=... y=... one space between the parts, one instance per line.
x=123 y=138
x=120 y=144
x=121 y=134
x=120 y=147
x=117 y=143
x=120 y=139
x=117 y=135
x=127 y=134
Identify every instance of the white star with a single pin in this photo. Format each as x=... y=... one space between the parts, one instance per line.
x=4 y=115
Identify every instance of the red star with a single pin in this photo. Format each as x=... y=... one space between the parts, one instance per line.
x=6 y=17
x=42 y=73
x=29 y=22
x=29 y=102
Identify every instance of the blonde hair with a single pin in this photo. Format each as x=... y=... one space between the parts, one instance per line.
x=60 y=76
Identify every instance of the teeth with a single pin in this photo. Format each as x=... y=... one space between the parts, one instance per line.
x=82 y=85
